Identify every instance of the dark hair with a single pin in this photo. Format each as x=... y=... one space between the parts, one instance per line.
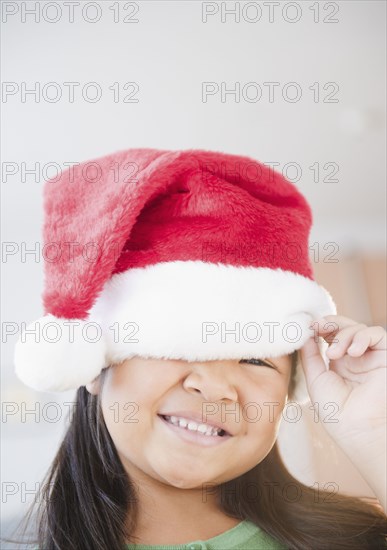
x=88 y=501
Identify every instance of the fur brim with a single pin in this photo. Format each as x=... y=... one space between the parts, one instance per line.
x=185 y=310
x=199 y=311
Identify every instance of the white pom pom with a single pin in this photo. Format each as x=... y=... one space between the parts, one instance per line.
x=55 y=354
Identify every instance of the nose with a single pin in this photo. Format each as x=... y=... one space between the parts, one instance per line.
x=212 y=380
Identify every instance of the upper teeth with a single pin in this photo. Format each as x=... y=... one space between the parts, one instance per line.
x=193 y=426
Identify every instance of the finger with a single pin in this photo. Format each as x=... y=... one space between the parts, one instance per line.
x=323 y=384
x=374 y=338
x=340 y=320
x=342 y=340
x=329 y=326
x=312 y=362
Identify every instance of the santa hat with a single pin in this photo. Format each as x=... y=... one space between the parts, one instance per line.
x=191 y=255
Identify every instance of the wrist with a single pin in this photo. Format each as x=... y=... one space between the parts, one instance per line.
x=371 y=463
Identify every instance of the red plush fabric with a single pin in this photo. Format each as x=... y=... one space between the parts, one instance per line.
x=139 y=207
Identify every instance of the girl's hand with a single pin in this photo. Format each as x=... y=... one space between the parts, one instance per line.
x=350 y=397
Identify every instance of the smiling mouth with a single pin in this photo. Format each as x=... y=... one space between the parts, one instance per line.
x=195 y=427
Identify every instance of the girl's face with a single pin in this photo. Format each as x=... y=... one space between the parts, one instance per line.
x=245 y=398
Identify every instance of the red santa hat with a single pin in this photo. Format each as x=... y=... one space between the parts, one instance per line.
x=192 y=255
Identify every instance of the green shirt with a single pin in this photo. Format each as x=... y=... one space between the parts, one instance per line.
x=244 y=536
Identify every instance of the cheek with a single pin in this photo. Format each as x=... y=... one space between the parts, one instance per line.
x=130 y=403
x=120 y=403
x=126 y=389
x=258 y=435
x=261 y=414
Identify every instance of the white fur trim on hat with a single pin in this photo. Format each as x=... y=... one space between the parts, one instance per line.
x=198 y=311
x=184 y=310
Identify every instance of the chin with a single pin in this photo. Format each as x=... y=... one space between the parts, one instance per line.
x=185 y=480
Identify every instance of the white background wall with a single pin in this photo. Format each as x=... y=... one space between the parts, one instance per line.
x=169 y=52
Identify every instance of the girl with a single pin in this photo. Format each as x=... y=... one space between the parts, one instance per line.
x=200 y=316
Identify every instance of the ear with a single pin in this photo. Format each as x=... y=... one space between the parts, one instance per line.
x=94 y=386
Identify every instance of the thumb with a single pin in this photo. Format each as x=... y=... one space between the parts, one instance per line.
x=312 y=363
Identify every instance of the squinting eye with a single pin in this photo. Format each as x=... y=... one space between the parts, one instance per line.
x=257 y=362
